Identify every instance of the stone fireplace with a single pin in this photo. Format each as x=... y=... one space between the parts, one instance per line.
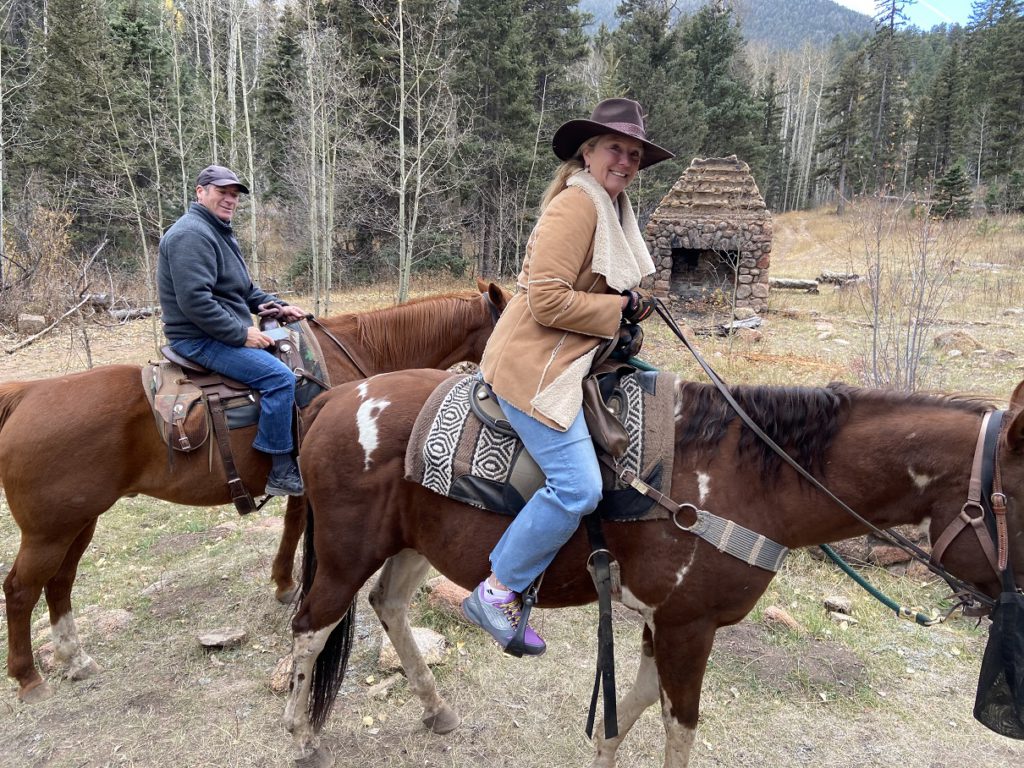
x=712 y=233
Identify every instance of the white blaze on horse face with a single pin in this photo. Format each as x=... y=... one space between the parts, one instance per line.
x=703 y=486
x=366 y=421
x=921 y=480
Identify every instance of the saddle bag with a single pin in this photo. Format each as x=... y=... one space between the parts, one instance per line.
x=999 y=703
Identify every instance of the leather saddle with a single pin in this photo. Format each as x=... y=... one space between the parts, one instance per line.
x=189 y=400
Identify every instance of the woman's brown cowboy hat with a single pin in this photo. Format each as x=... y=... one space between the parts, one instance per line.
x=622 y=116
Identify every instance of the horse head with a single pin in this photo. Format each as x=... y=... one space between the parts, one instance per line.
x=493 y=300
x=975 y=554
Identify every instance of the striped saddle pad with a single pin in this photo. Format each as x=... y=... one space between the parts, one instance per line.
x=454 y=453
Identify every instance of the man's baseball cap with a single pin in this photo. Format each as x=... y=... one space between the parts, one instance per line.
x=219 y=176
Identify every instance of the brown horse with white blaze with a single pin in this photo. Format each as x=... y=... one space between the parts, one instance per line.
x=71 y=446
x=895 y=458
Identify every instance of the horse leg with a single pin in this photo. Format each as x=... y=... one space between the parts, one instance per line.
x=324 y=620
x=35 y=564
x=306 y=646
x=642 y=695
x=390 y=598
x=284 y=561
x=67 y=648
x=681 y=655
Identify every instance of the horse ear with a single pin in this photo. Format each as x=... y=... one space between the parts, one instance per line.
x=1017 y=398
x=498 y=297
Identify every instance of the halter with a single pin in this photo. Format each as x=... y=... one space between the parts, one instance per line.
x=985 y=509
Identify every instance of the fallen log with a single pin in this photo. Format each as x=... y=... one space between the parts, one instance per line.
x=133 y=314
x=793 y=283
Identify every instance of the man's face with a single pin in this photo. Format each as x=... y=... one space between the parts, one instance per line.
x=220 y=201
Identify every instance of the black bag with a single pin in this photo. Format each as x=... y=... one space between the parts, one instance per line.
x=999 y=704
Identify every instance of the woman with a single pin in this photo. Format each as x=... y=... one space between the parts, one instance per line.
x=583 y=262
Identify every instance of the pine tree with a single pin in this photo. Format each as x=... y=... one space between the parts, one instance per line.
x=841 y=162
x=953 y=198
x=943 y=119
x=884 y=96
x=72 y=107
x=773 y=166
x=558 y=46
x=282 y=80
x=654 y=69
x=723 y=85
x=496 y=79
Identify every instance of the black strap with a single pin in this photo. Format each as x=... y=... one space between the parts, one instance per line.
x=239 y=493
x=600 y=561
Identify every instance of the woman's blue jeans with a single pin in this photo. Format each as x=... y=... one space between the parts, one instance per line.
x=553 y=513
x=261 y=371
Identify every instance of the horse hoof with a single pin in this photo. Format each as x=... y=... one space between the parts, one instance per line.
x=318 y=758
x=85 y=670
x=285 y=595
x=444 y=721
x=33 y=693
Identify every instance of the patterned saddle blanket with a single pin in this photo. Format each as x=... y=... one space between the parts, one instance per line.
x=455 y=453
x=177 y=393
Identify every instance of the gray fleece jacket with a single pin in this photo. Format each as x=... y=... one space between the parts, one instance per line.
x=204 y=286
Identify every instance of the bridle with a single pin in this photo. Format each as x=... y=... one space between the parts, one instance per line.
x=985 y=492
x=984 y=512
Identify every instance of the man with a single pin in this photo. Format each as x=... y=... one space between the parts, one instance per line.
x=208 y=300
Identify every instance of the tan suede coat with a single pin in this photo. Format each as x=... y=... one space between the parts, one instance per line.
x=546 y=338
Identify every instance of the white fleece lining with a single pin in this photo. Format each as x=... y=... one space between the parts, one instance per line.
x=561 y=399
x=620 y=253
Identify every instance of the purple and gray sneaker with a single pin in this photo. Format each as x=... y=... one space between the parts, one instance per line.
x=501 y=620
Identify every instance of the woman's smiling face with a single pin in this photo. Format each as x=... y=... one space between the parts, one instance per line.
x=614 y=161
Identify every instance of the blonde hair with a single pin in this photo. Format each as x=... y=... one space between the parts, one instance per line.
x=564 y=171
x=568 y=168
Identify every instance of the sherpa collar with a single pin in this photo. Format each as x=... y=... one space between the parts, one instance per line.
x=620 y=253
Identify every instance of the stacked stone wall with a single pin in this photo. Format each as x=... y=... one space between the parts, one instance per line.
x=715 y=206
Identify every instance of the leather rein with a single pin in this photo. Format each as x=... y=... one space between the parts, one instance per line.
x=985 y=495
x=360 y=369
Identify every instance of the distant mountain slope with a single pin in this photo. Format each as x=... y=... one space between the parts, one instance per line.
x=779 y=23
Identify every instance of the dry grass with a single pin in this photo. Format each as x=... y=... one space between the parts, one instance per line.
x=879 y=693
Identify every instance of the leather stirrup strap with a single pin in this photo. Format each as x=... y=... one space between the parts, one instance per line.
x=599 y=565
x=240 y=495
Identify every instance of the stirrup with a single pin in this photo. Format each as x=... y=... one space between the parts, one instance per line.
x=517 y=645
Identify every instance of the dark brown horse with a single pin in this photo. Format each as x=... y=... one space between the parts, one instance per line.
x=896 y=459
x=72 y=446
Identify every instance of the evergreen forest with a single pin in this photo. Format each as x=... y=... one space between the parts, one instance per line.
x=386 y=137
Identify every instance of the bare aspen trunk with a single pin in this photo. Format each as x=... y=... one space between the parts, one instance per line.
x=211 y=50
x=255 y=258
x=230 y=81
x=404 y=259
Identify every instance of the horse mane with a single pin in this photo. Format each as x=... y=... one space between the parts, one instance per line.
x=396 y=334
x=802 y=420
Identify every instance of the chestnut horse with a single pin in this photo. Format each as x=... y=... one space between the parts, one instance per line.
x=895 y=458
x=72 y=446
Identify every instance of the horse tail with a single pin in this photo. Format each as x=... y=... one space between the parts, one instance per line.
x=329 y=667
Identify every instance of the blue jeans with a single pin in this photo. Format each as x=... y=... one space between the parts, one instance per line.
x=261 y=371
x=553 y=513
